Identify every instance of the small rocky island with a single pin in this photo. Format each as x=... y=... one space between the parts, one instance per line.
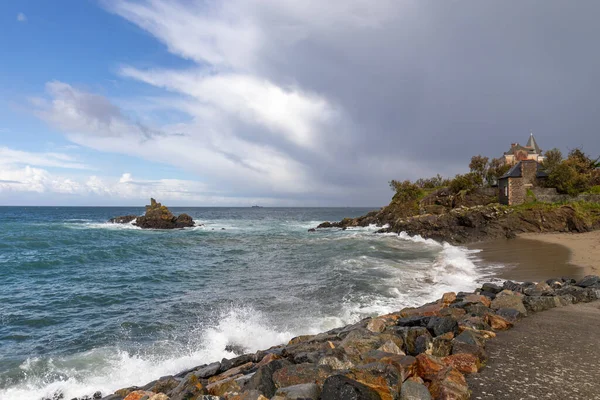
x=157 y=217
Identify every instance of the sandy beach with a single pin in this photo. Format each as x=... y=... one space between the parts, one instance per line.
x=538 y=256
x=584 y=247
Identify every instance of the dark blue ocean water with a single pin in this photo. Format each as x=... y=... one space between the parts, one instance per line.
x=86 y=305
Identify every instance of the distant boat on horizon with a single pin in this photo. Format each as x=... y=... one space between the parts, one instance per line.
x=256 y=207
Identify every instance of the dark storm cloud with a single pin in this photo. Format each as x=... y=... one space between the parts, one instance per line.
x=420 y=86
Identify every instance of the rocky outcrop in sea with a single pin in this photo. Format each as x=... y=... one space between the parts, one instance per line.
x=414 y=354
x=157 y=217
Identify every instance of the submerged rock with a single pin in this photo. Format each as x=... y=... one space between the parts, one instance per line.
x=123 y=219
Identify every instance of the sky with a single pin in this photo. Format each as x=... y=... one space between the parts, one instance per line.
x=282 y=102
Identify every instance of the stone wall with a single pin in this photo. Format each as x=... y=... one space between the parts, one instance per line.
x=503 y=191
x=529 y=172
x=516 y=191
x=549 y=195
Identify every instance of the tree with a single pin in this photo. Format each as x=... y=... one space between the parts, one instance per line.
x=552 y=159
x=497 y=168
x=479 y=165
x=465 y=182
x=406 y=190
x=433 y=182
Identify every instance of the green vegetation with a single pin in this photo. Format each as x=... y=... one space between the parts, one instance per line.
x=594 y=190
x=576 y=174
x=406 y=191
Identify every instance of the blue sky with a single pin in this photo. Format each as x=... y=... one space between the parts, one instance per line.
x=276 y=102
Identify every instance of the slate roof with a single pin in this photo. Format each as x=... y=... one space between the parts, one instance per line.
x=531 y=147
x=531 y=143
x=519 y=147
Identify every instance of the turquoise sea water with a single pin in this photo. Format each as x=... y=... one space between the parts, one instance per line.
x=86 y=305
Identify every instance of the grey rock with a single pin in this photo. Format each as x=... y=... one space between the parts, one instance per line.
x=588 y=281
x=491 y=287
x=339 y=387
x=208 y=371
x=412 y=390
x=441 y=347
x=509 y=301
x=510 y=314
x=440 y=325
x=305 y=391
x=262 y=380
x=413 y=321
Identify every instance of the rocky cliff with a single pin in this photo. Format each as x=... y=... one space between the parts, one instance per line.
x=469 y=223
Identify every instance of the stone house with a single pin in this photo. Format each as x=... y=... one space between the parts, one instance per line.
x=531 y=151
x=513 y=186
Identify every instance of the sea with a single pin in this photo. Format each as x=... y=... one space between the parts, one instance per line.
x=86 y=305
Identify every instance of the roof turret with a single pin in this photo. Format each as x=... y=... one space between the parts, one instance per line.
x=533 y=144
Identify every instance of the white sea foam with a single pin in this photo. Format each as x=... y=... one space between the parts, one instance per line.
x=108 y=369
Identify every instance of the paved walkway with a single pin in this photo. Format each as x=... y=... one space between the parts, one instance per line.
x=554 y=355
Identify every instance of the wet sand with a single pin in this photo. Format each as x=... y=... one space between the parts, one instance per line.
x=584 y=247
x=530 y=258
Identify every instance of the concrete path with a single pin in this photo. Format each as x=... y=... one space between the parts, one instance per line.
x=554 y=355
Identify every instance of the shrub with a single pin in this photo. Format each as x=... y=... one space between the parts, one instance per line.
x=432 y=183
x=465 y=182
x=406 y=190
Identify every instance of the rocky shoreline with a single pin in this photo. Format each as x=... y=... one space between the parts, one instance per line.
x=465 y=225
x=413 y=354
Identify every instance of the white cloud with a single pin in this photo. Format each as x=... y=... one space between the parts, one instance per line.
x=208 y=146
x=16 y=182
x=56 y=160
x=286 y=99
x=21 y=17
x=288 y=112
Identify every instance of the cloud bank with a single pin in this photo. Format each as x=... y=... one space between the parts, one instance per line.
x=328 y=101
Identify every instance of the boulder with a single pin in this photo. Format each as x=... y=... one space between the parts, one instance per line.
x=208 y=371
x=440 y=325
x=189 y=387
x=391 y=347
x=540 y=303
x=336 y=363
x=498 y=323
x=412 y=390
x=510 y=314
x=588 y=281
x=428 y=367
x=222 y=387
x=297 y=374
x=463 y=362
x=376 y=325
x=305 y=391
x=449 y=384
x=405 y=366
x=470 y=343
x=338 y=387
x=509 y=300
x=262 y=380
x=491 y=287
x=442 y=345
x=416 y=339
x=380 y=377
x=139 y=394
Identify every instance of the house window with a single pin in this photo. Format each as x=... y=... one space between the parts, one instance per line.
x=506 y=190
